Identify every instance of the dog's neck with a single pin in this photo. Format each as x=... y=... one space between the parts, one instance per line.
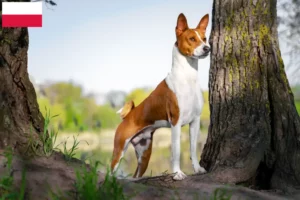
x=183 y=65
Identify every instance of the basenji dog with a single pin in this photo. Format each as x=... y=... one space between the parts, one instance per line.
x=175 y=102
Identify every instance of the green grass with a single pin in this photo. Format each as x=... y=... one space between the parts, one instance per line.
x=7 y=190
x=71 y=152
x=87 y=186
x=221 y=194
x=49 y=135
x=47 y=138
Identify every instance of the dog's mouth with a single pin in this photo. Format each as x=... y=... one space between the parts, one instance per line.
x=201 y=56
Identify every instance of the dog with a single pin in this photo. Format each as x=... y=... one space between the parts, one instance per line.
x=175 y=102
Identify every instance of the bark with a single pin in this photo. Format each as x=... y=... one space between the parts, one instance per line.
x=254 y=132
x=19 y=110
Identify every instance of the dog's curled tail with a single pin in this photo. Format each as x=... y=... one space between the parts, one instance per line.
x=126 y=109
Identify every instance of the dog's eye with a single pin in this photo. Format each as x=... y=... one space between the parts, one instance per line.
x=192 y=39
x=204 y=39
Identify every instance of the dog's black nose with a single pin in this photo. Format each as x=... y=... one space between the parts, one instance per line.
x=206 y=48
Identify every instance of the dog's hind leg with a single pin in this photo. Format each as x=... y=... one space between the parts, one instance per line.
x=194 y=129
x=143 y=150
x=120 y=147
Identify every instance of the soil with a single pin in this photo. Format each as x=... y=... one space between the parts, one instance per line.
x=55 y=173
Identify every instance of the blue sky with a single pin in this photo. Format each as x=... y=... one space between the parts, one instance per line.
x=111 y=45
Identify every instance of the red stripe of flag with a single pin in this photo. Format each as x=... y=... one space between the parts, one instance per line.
x=22 y=20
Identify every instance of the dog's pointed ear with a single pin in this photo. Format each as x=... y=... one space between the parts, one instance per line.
x=126 y=109
x=181 y=24
x=203 y=23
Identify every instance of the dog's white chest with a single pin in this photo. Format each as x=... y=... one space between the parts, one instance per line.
x=183 y=81
x=190 y=105
x=189 y=95
x=190 y=101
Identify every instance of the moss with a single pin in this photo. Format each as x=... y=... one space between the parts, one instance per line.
x=229 y=22
x=230 y=74
x=5 y=40
x=264 y=30
x=259 y=8
x=281 y=69
x=264 y=35
x=235 y=63
x=223 y=46
x=256 y=83
x=227 y=38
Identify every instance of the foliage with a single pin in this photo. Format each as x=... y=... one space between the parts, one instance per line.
x=71 y=152
x=7 y=190
x=87 y=186
x=137 y=95
x=77 y=112
x=205 y=112
x=108 y=115
x=221 y=194
x=48 y=137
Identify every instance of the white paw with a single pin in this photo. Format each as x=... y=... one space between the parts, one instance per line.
x=198 y=169
x=179 y=175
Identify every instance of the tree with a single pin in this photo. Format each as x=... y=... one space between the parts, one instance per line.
x=116 y=99
x=255 y=129
x=19 y=111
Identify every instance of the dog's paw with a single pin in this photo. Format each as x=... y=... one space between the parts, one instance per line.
x=179 y=175
x=199 y=170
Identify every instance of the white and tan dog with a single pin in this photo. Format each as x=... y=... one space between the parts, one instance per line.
x=175 y=102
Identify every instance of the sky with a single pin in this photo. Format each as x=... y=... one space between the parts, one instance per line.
x=111 y=45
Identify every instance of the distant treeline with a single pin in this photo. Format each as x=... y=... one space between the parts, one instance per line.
x=79 y=112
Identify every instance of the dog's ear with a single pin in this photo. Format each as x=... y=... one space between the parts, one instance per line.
x=126 y=109
x=203 y=23
x=181 y=24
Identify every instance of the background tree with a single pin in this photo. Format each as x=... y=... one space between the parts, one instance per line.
x=116 y=98
x=289 y=33
x=255 y=129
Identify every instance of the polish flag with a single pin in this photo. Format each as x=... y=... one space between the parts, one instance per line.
x=22 y=14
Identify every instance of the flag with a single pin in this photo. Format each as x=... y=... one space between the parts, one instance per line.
x=22 y=14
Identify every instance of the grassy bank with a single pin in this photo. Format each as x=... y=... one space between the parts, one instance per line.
x=99 y=146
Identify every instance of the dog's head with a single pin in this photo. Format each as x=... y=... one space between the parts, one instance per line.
x=192 y=42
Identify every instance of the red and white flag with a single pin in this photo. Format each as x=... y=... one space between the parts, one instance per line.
x=22 y=14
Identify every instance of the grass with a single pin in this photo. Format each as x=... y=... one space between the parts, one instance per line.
x=221 y=194
x=71 y=152
x=47 y=138
x=7 y=190
x=87 y=186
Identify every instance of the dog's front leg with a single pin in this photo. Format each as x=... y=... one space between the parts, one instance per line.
x=194 y=129
x=176 y=131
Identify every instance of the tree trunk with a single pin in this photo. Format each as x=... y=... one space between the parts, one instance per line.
x=19 y=110
x=254 y=133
